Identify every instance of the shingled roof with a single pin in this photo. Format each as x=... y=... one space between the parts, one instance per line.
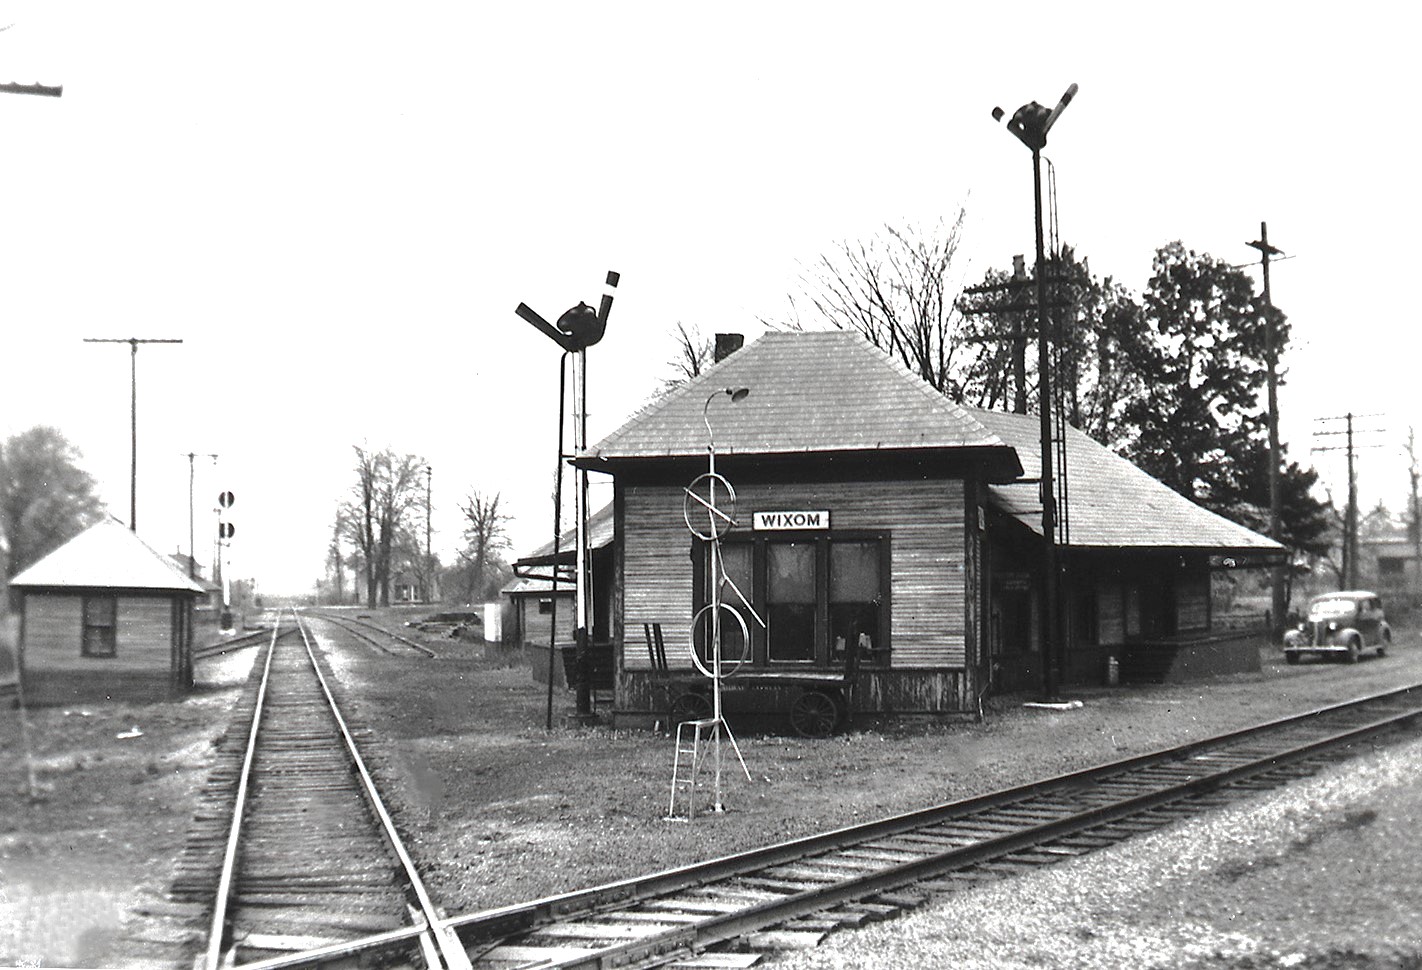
x=106 y=556
x=1110 y=503
x=810 y=393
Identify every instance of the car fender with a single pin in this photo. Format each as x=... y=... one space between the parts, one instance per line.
x=1342 y=635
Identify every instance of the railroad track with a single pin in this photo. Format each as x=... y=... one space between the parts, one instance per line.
x=792 y=894
x=310 y=857
x=252 y=639
x=375 y=635
x=726 y=912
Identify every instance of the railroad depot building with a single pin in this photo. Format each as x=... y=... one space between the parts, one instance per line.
x=891 y=542
x=104 y=616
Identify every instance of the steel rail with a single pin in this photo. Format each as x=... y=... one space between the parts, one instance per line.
x=450 y=950
x=213 y=957
x=348 y=624
x=240 y=643
x=523 y=917
x=485 y=928
x=714 y=930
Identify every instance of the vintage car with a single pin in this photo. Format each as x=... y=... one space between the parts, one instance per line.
x=1342 y=624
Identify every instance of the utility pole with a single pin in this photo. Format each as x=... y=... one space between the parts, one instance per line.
x=133 y=343
x=192 y=553
x=1271 y=357
x=429 y=510
x=1349 y=578
x=1415 y=526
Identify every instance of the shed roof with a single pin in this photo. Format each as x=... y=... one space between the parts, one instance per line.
x=1109 y=502
x=600 y=534
x=107 y=555
x=809 y=392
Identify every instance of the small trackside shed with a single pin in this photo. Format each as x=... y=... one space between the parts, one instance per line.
x=875 y=592
x=104 y=616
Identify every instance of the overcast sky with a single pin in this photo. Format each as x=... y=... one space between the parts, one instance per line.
x=337 y=208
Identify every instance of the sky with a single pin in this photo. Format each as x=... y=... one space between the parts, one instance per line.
x=337 y=208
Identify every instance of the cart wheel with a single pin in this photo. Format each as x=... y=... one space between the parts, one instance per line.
x=689 y=706
x=814 y=714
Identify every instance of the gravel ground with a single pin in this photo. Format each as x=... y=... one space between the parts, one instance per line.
x=1326 y=872
x=500 y=810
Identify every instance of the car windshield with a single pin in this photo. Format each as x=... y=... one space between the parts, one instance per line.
x=1331 y=609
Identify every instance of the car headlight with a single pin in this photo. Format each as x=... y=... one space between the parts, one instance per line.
x=1332 y=626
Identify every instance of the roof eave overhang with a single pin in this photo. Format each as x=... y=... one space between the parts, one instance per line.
x=1000 y=462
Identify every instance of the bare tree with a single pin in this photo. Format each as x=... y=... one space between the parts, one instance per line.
x=336 y=562
x=898 y=290
x=693 y=354
x=385 y=492
x=485 y=535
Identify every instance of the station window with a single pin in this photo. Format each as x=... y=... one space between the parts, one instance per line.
x=823 y=598
x=100 y=624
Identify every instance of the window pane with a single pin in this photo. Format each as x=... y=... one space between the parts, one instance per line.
x=790 y=600
x=736 y=560
x=854 y=572
x=791 y=631
x=100 y=610
x=100 y=616
x=790 y=570
x=854 y=594
x=853 y=625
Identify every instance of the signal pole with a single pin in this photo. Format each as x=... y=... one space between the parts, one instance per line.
x=1271 y=357
x=133 y=343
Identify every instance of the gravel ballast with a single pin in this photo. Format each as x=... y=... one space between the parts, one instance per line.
x=1325 y=872
x=499 y=810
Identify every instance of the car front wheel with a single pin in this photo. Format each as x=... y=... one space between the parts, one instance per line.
x=1353 y=651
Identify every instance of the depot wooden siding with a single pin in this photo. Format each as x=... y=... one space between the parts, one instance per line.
x=924 y=519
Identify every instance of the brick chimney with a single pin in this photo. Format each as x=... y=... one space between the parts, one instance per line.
x=727 y=344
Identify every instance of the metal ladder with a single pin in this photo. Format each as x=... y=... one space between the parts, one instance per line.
x=687 y=764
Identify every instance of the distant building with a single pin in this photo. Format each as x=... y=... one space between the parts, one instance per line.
x=105 y=616
x=528 y=620
x=1390 y=566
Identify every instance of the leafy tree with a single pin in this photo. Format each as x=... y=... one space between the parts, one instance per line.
x=45 y=497
x=1095 y=331
x=1202 y=369
x=896 y=289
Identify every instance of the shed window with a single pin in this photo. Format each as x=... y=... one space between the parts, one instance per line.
x=100 y=622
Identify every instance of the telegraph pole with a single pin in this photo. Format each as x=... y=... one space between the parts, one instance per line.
x=192 y=552
x=133 y=343
x=429 y=510
x=1271 y=357
x=1349 y=578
